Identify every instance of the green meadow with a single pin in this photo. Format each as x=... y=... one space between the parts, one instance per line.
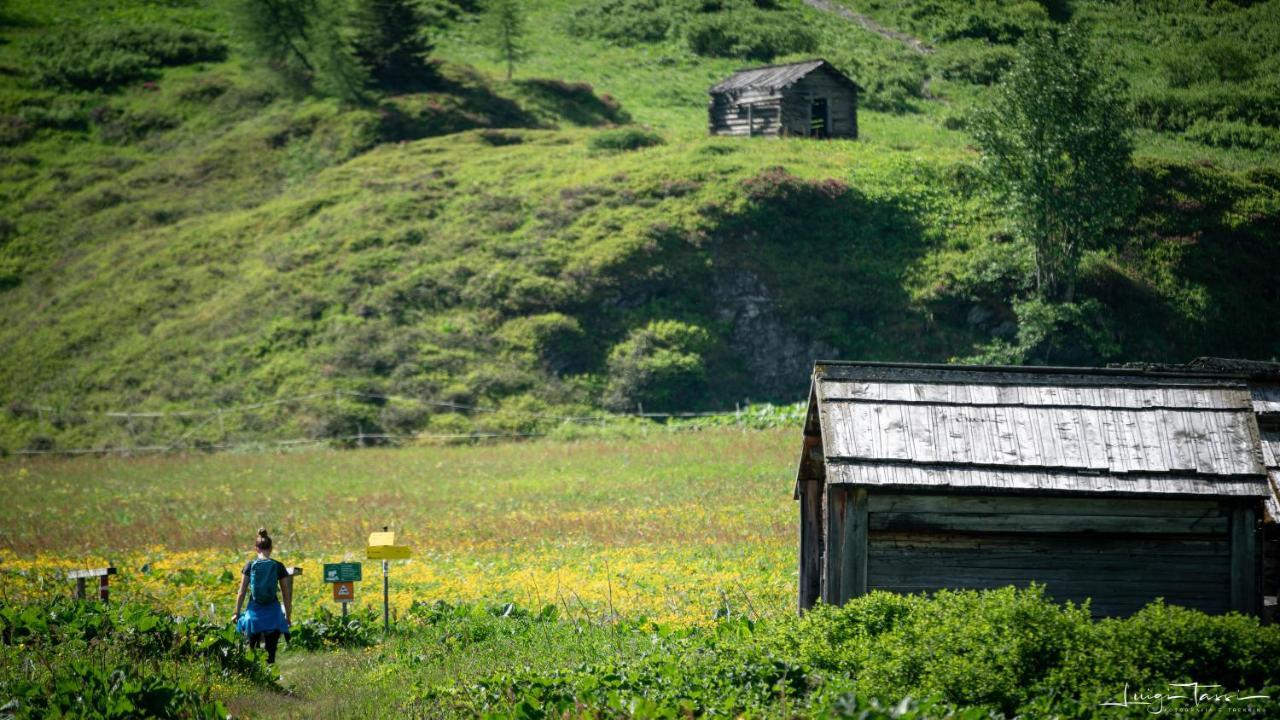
x=651 y=576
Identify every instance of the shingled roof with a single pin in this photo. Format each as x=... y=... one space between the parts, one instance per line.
x=1076 y=430
x=776 y=77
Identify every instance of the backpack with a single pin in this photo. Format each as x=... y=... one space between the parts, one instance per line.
x=264 y=576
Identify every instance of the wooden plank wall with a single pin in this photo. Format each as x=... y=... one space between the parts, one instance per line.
x=1271 y=570
x=751 y=113
x=1122 y=553
x=833 y=501
x=785 y=112
x=1246 y=562
x=841 y=101
x=810 y=543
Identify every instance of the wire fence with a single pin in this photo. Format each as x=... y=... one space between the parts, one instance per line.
x=206 y=429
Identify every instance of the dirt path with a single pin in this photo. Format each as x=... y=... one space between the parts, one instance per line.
x=870 y=25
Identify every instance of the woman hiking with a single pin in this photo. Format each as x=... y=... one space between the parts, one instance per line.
x=263 y=620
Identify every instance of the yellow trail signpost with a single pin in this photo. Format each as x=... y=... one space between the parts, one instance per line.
x=382 y=546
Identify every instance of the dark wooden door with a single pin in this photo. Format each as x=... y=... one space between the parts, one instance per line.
x=819 y=118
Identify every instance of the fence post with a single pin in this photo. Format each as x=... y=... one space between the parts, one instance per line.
x=386 y=591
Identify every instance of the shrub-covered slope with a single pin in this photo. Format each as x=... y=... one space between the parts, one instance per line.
x=187 y=233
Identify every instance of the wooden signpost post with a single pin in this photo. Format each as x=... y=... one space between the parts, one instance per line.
x=382 y=546
x=343 y=576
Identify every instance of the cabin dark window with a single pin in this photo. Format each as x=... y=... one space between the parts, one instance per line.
x=819 y=119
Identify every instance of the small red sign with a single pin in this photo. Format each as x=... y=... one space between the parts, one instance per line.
x=344 y=591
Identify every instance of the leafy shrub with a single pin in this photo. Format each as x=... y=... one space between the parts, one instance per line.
x=15 y=130
x=497 y=138
x=204 y=89
x=974 y=62
x=660 y=365
x=1174 y=110
x=1166 y=643
x=1268 y=176
x=133 y=628
x=462 y=624
x=1227 y=134
x=974 y=649
x=956 y=654
x=34 y=113
x=117 y=126
x=623 y=22
x=776 y=185
x=327 y=630
x=749 y=35
x=623 y=139
x=557 y=340
x=110 y=56
x=1061 y=333
x=1214 y=60
x=996 y=21
x=84 y=688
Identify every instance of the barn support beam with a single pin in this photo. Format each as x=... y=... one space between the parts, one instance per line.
x=1244 y=561
x=833 y=521
x=845 y=566
x=853 y=576
x=810 y=543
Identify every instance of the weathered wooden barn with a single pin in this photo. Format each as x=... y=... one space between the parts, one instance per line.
x=1264 y=387
x=805 y=99
x=1113 y=485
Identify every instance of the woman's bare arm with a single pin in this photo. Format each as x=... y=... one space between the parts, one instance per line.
x=286 y=592
x=244 y=588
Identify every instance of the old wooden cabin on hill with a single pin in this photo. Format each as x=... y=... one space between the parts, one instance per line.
x=1113 y=485
x=805 y=99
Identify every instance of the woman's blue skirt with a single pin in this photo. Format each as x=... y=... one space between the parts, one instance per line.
x=262 y=618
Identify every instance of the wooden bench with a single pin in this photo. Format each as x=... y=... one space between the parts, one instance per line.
x=80 y=576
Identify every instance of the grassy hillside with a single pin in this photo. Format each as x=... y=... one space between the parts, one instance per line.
x=197 y=236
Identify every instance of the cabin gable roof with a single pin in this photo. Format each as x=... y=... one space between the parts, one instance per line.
x=1038 y=429
x=773 y=78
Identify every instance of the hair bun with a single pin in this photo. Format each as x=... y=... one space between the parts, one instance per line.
x=262 y=532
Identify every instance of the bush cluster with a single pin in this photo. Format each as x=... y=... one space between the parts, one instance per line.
x=326 y=629
x=109 y=56
x=964 y=654
x=1211 y=61
x=624 y=22
x=717 y=28
x=1176 y=109
x=974 y=62
x=623 y=139
x=660 y=365
x=116 y=661
x=994 y=21
x=750 y=34
x=1228 y=134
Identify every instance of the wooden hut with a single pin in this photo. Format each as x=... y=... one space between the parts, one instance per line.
x=1114 y=485
x=806 y=99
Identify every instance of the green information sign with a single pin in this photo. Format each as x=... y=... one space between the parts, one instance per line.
x=342 y=572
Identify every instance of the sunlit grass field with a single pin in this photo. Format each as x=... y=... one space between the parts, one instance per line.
x=671 y=526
